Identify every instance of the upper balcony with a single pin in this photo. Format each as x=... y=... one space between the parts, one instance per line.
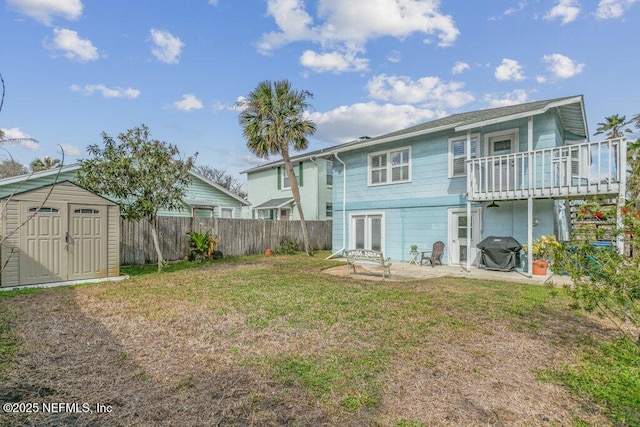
x=570 y=171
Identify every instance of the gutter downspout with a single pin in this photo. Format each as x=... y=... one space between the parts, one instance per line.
x=530 y=199
x=318 y=208
x=344 y=208
x=469 y=190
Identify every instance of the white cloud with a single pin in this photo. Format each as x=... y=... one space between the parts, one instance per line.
x=394 y=56
x=509 y=69
x=561 y=66
x=44 y=11
x=541 y=79
x=428 y=91
x=188 y=102
x=567 y=10
x=72 y=45
x=341 y=26
x=14 y=137
x=167 y=47
x=70 y=150
x=459 y=67
x=333 y=61
x=608 y=9
x=517 y=96
x=510 y=11
x=107 y=92
x=347 y=123
x=213 y=2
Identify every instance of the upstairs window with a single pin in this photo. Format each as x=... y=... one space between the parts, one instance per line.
x=329 y=174
x=285 y=184
x=458 y=155
x=390 y=167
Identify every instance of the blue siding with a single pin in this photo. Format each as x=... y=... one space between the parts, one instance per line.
x=416 y=212
x=510 y=219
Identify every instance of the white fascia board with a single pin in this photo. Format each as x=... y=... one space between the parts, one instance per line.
x=568 y=101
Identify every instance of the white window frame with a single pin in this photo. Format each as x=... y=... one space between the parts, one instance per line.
x=328 y=210
x=203 y=209
x=223 y=210
x=261 y=212
x=296 y=171
x=329 y=165
x=368 y=216
x=389 y=166
x=452 y=157
x=513 y=134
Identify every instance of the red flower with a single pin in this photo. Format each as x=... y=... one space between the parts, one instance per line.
x=598 y=215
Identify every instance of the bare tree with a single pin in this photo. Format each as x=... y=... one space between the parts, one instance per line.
x=223 y=179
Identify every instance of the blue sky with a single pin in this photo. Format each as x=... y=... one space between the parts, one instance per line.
x=75 y=68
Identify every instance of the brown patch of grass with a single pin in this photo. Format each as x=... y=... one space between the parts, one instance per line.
x=275 y=342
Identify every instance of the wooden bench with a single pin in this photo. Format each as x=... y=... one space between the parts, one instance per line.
x=367 y=257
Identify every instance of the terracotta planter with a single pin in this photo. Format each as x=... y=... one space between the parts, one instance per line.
x=540 y=267
x=268 y=252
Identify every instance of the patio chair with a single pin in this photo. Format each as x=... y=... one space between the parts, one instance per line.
x=434 y=255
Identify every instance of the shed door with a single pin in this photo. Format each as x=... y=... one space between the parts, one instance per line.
x=87 y=242
x=42 y=257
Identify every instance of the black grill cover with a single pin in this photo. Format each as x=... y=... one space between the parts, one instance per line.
x=500 y=253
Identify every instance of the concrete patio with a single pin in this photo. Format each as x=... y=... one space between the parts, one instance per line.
x=404 y=271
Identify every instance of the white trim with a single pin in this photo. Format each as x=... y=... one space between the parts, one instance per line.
x=296 y=171
x=462 y=138
x=547 y=107
x=366 y=214
x=389 y=166
x=514 y=133
x=475 y=239
x=227 y=208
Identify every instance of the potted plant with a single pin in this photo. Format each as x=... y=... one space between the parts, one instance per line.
x=541 y=250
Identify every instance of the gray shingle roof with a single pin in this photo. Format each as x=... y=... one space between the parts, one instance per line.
x=570 y=109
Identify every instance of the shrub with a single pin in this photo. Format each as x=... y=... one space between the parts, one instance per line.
x=288 y=245
x=203 y=245
x=604 y=280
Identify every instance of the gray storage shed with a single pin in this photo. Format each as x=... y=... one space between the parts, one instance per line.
x=58 y=232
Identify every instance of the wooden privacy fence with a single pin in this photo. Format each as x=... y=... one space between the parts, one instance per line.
x=235 y=236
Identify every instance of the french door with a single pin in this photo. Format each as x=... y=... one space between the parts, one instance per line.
x=367 y=232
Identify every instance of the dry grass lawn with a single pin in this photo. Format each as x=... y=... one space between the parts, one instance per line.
x=275 y=341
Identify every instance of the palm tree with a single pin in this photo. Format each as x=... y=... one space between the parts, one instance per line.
x=44 y=164
x=613 y=126
x=272 y=118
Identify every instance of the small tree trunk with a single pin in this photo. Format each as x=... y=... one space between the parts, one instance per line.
x=156 y=242
x=295 y=191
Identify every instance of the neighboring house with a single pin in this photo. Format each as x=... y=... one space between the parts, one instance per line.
x=203 y=199
x=497 y=172
x=270 y=193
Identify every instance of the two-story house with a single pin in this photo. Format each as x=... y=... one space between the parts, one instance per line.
x=504 y=171
x=269 y=191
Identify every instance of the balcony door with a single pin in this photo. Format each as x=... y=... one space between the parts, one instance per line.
x=367 y=232
x=502 y=174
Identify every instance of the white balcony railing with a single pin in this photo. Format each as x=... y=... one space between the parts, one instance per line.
x=592 y=168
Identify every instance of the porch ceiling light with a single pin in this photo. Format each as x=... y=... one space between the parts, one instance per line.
x=493 y=204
